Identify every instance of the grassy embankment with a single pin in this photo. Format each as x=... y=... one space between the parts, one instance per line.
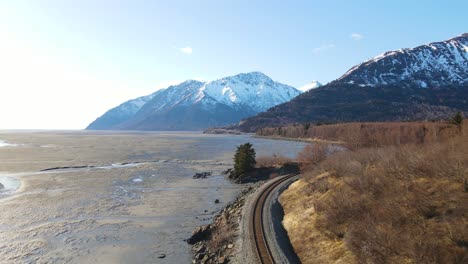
x=358 y=135
x=398 y=195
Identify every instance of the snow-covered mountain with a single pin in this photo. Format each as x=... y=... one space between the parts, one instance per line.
x=194 y=105
x=432 y=65
x=429 y=82
x=252 y=90
x=121 y=113
x=312 y=85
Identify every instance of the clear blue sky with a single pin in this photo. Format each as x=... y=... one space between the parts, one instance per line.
x=65 y=62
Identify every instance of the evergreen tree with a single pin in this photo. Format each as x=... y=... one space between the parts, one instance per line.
x=244 y=159
x=457 y=119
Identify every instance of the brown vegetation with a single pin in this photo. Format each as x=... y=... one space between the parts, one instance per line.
x=394 y=204
x=266 y=167
x=357 y=135
x=272 y=161
x=312 y=155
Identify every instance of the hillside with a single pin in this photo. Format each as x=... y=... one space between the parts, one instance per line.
x=405 y=202
x=120 y=114
x=338 y=102
x=426 y=82
x=432 y=65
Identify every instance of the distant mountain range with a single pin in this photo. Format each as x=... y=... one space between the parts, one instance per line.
x=194 y=105
x=426 y=82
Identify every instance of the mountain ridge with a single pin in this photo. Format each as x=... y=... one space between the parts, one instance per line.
x=198 y=105
x=430 y=65
x=376 y=91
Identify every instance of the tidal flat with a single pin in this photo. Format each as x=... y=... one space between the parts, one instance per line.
x=119 y=197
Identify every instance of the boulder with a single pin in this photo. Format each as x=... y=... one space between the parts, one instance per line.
x=202 y=175
x=200 y=234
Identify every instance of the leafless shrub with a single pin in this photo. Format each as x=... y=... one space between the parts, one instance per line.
x=272 y=161
x=403 y=204
x=312 y=155
x=361 y=135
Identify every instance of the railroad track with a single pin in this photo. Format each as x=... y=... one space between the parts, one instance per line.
x=257 y=231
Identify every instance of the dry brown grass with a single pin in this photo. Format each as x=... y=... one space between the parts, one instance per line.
x=312 y=155
x=405 y=204
x=272 y=161
x=358 y=135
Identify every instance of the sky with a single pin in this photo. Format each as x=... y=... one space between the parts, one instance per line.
x=63 y=63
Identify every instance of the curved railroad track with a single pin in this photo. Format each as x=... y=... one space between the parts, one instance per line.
x=257 y=231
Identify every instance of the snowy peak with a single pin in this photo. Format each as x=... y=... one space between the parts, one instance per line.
x=255 y=90
x=134 y=105
x=180 y=94
x=198 y=105
x=432 y=65
x=312 y=85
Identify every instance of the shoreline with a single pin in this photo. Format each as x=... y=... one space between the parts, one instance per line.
x=254 y=135
x=146 y=211
x=308 y=140
x=226 y=238
x=221 y=241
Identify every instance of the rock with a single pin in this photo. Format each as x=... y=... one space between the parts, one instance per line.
x=1 y=186
x=161 y=255
x=221 y=260
x=202 y=175
x=199 y=256
x=228 y=171
x=198 y=247
x=201 y=233
x=224 y=222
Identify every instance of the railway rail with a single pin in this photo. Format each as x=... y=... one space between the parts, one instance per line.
x=257 y=230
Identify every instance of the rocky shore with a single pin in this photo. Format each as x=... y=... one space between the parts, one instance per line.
x=215 y=243
x=222 y=131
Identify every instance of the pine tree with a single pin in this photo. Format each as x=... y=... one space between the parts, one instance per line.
x=457 y=119
x=244 y=160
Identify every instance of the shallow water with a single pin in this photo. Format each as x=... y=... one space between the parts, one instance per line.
x=137 y=201
x=5 y=144
x=9 y=183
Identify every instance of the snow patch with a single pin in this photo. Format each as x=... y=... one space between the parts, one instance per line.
x=448 y=60
x=312 y=85
x=254 y=89
x=5 y=144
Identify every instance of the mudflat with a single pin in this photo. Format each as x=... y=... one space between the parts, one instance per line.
x=116 y=197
